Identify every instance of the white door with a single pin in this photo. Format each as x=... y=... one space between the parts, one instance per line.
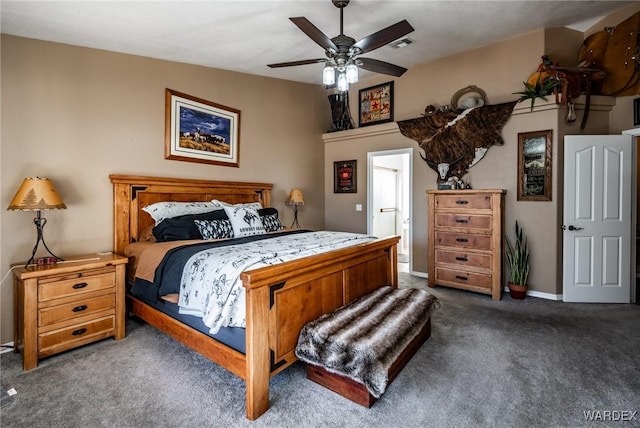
x=597 y=219
x=385 y=201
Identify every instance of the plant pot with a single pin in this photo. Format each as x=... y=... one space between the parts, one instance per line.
x=517 y=291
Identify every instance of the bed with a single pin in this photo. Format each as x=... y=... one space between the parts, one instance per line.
x=280 y=299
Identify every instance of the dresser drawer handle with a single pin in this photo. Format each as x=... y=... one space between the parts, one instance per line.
x=79 y=331
x=462 y=220
x=80 y=308
x=462 y=259
x=464 y=278
x=80 y=285
x=462 y=202
x=462 y=240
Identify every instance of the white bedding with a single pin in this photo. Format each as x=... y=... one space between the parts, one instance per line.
x=211 y=288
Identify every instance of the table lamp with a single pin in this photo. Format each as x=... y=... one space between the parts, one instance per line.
x=37 y=194
x=295 y=200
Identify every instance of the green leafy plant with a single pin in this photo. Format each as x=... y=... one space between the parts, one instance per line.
x=518 y=257
x=539 y=90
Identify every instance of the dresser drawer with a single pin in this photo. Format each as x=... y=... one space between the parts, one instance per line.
x=469 y=279
x=76 y=284
x=482 y=261
x=54 y=314
x=467 y=202
x=483 y=222
x=69 y=337
x=463 y=240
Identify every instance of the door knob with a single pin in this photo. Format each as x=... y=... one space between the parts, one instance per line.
x=571 y=227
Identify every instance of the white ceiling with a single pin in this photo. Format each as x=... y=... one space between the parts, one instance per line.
x=245 y=36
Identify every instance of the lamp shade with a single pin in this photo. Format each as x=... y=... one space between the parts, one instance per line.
x=36 y=194
x=296 y=197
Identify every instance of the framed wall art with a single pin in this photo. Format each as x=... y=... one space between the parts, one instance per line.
x=198 y=130
x=375 y=104
x=534 y=165
x=344 y=177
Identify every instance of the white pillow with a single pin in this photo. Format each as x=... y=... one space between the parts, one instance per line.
x=161 y=210
x=245 y=221
x=222 y=204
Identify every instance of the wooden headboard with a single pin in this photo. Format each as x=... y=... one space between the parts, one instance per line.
x=132 y=192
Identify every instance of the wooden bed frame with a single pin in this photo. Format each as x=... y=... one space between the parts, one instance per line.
x=280 y=299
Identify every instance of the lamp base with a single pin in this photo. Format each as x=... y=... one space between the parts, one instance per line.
x=40 y=222
x=295 y=218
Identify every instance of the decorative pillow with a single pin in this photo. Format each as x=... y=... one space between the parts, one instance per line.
x=245 y=221
x=161 y=210
x=215 y=229
x=270 y=219
x=184 y=227
x=222 y=204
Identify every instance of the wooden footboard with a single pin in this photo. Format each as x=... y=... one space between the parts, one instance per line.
x=280 y=298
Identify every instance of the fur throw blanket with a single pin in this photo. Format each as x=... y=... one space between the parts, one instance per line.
x=362 y=339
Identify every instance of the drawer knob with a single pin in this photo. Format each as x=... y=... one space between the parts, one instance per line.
x=80 y=308
x=463 y=278
x=462 y=220
x=462 y=202
x=462 y=259
x=462 y=240
x=80 y=285
x=79 y=331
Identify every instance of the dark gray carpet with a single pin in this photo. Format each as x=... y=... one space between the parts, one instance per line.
x=488 y=364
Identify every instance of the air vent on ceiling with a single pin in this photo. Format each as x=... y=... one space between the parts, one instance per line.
x=401 y=43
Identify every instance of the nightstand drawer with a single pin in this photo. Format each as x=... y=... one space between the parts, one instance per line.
x=75 y=309
x=483 y=222
x=462 y=201
x=482 y=261
x=469 y=279
x=463 y=240
x=76 y=284
x=66 y=338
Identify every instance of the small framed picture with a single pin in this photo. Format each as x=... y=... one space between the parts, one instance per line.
x=344 y=177
x=534 y=165
x=375 y=104
x=198 y=130
x=636 y=112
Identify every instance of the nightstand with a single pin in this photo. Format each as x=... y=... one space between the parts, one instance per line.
x=61 y=306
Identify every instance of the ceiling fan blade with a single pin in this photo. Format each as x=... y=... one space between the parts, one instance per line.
x=384 y=36
x=301 y=62
x=314 y=33
x=378 y=66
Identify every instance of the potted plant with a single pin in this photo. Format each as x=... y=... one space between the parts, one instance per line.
x=539 y=89
x=518 y=259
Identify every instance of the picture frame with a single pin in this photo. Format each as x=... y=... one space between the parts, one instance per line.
x=375 y=104
x=197 y=130
x=344 y=176
x=534 y=165
x=636 y=111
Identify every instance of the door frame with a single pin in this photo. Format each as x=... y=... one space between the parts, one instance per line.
x=370 y=162
x=635 y=135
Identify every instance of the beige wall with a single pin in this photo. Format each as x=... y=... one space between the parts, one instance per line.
x=76 y=115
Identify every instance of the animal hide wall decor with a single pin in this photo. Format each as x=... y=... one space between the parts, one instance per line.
x=457 y=140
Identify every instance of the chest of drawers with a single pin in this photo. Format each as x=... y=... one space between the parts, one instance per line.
x=69 y=304
x=465 y=239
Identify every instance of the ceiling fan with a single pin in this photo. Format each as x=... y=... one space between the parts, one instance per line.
x=343 y=52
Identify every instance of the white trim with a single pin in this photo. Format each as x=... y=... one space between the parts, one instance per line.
x=8 y=345
x=540 y=294
x=420 y=274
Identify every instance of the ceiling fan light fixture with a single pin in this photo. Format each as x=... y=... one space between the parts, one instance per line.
x=343 y=84
x=328 y=75
x=352 y=73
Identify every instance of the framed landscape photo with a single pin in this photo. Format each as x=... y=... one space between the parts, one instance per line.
x=534 y=165
x=198 y=130
x=344 y=177
x=375 y=104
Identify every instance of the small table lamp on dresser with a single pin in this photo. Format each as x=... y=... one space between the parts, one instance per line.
x=37 y=194
x=296 y=199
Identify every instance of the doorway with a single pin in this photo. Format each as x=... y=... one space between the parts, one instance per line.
x=389 y=199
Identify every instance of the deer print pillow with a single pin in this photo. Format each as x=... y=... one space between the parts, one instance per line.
x=245 y=221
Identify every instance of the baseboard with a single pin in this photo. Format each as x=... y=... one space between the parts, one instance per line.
x=540 y=294
x=6 y=347
x=420 y=274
